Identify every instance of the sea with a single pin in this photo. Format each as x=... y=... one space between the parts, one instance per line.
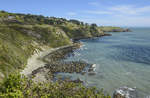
x=122 y=59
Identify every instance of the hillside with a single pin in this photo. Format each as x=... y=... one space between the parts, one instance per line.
x=113 y=29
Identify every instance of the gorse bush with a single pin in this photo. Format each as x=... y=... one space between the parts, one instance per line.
x=17 y=86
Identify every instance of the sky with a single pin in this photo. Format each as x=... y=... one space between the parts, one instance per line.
x=102 y=12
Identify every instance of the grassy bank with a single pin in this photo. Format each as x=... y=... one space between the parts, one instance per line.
x=18 y=43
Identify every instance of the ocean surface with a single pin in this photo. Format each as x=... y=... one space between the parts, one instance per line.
x=122 y=59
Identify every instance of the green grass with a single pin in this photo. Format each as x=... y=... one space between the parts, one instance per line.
x=111 y=29
x=15 y=48
x=16 y=45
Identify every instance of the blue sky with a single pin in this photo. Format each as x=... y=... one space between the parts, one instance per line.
x=102 y=12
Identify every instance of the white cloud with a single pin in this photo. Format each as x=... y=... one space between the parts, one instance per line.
x=94 y=3
x=123 y=21
x=130 y=9
x=124 y=9
x=98 y=12
x=119 y=15
x=144 y=9
x=71 y=13
x=121 y=10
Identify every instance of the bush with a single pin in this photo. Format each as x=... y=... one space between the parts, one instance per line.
x=17 y=86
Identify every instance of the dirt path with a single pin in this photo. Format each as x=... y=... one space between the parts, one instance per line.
x=35 y=61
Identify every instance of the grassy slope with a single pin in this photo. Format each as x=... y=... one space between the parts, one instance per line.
x=113 y=29
x=16 y=45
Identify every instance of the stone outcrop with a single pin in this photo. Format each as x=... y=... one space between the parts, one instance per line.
x=125 y=92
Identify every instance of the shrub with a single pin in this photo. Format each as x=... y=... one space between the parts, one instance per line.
x=17 y=86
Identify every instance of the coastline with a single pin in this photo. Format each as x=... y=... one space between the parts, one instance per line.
x=54 y=63
x=36 y=60
x=105 y=34
x=39 y=59
x=33 y=33
x=43 y=66
x=42 y=59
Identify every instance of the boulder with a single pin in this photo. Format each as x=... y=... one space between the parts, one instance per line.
x=125 y=92
x=2 y=75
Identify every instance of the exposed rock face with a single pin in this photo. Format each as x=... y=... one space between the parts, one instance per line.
x=1 y=75
x=42 y=74
x=91 y=70
x=61 y=53
x=34 y=34
x=128 y=30
x=125 y=92
x=121 y=30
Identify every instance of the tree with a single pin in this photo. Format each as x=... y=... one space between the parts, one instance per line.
x=75 y=21
x=94 y=25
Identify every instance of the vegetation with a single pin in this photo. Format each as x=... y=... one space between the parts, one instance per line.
x=16 y=86
x=113 y=29
x=17 y=44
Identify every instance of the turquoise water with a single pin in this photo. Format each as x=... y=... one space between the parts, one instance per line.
x=122 y=59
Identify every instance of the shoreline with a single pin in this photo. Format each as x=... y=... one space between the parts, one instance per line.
x=41 y=60
x=46 y=67
x=55 y=64
x=105 y=34
x=36 y=60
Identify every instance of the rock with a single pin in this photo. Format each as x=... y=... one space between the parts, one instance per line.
x=128 y=30
x=2 y=75
x=125 y=92
x=92 y=73
x=32 y=33
x=11 y=17
x=77 y=81
x=91 y=70
x=41 y=74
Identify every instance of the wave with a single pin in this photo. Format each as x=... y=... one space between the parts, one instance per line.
x=133 y=53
